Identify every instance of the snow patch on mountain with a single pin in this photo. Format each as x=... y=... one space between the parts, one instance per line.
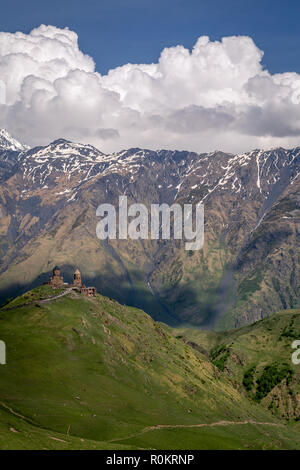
x=7 y=142
x=68 y=167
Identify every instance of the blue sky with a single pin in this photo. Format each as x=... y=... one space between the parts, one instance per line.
x=115 y=32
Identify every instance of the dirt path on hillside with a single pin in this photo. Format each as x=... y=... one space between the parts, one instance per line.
x=190 y=426
x=12 y=411
x=212 y=425
x=56 y=296
x=164 y=426
x=62 y=294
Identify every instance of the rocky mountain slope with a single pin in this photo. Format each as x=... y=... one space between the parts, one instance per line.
x=90 y=373
x=249 y=266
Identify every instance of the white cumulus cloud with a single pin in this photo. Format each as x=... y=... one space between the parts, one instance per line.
x=216 y=96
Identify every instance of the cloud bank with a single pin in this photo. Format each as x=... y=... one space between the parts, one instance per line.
x=217 y=96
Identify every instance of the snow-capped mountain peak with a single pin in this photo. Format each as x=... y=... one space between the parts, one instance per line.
x=7 y=142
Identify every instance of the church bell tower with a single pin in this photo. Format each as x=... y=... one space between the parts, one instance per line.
x=77 y=279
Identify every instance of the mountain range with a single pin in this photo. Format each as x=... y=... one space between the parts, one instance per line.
x=248 y=268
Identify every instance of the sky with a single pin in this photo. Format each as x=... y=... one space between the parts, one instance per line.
x=115 y=32
x=237 y=90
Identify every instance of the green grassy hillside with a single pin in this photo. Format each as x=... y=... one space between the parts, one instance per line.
x=91 y=373
x=257 y=359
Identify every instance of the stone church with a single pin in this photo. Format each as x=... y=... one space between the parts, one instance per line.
x=57 y=281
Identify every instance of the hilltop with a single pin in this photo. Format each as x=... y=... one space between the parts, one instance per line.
x=91 y=373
